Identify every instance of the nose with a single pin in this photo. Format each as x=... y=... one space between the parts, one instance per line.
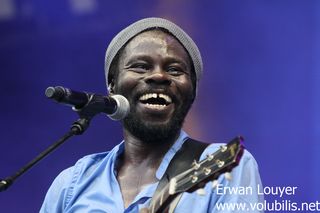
x=158 y=76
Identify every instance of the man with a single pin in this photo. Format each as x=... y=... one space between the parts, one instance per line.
x=157 y=67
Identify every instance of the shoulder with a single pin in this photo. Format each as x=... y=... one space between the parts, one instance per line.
x=244 y=175
x=247 y=163
x=84 y=164
x=225 y=190
x=60 y=191
x=90 y=161
x=246 y=157
x=247 y=168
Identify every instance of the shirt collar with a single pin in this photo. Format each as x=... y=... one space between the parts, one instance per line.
x=119 y=149
x=170 y=154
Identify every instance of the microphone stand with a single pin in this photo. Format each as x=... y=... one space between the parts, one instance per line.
x=86 y=113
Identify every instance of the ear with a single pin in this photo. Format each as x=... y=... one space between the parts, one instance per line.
x=111 y=88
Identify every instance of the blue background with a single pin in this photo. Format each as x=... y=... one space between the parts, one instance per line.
x=261 y=80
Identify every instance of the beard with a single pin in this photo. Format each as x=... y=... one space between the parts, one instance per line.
x=157 y=133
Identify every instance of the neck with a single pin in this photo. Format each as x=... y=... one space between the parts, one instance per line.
x=139 y=151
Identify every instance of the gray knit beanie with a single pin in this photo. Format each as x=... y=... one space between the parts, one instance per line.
x=149 y=23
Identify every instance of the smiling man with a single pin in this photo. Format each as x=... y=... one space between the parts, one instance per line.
x=157 y=67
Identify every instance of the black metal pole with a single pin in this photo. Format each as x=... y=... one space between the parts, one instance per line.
x=77 y=128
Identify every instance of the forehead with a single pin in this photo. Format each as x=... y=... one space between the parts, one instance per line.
x=157 y=42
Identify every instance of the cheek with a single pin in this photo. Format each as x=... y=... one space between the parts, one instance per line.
x=125 y=84
x=185 y=87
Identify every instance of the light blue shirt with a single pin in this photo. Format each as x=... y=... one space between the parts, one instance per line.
x=91 y=186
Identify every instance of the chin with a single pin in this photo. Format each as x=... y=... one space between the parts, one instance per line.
x=153 y=131
x=154 y=128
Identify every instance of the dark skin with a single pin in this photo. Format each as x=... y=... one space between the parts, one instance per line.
x=152 y=62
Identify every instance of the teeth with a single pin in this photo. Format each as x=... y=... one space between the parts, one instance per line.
x=155 y=95
x=155 y=106
x=165 y=97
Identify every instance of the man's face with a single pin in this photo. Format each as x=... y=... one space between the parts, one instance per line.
x=155 y=76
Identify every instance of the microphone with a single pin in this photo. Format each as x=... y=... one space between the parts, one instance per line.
x=116 y=106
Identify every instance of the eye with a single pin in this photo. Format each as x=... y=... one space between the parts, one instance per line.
x=175 y=70
x=140 y=67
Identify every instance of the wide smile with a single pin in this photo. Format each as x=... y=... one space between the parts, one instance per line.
x=156 y=102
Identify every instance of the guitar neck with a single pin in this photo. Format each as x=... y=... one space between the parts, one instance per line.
x=162 y=201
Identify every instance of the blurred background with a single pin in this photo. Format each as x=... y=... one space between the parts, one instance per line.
x=261 y=80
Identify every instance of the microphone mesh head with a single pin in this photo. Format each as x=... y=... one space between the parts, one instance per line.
x=123 y=108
